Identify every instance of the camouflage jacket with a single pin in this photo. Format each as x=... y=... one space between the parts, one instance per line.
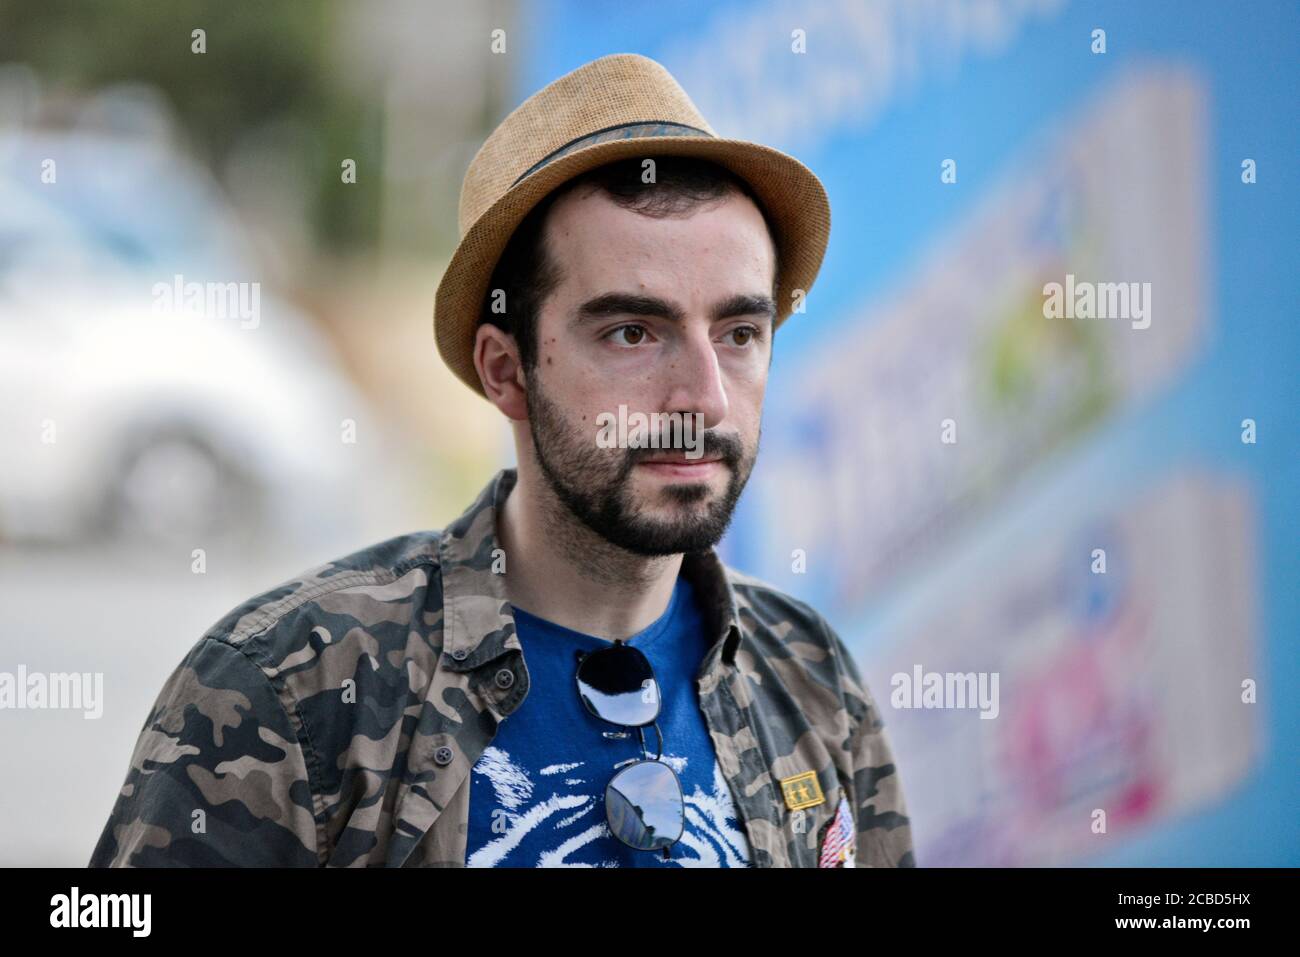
x=334 y=720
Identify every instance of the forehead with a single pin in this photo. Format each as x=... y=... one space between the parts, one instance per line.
x=718 y=247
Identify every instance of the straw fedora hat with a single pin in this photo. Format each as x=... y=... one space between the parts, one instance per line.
x=619 y=106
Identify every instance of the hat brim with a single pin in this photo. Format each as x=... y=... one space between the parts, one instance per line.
x=792 y=195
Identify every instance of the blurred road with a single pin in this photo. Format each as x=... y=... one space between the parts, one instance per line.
x=130 y=615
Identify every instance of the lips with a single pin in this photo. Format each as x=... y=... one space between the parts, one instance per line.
x=679 y=460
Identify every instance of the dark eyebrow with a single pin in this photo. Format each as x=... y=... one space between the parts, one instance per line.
x=630 y=304
x=746 y=305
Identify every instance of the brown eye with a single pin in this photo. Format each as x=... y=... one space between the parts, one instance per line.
x=632 y=335
x=745 y=334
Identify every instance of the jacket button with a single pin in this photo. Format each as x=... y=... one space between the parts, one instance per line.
x=505 y=678
x=442 y=755
x=460 y=654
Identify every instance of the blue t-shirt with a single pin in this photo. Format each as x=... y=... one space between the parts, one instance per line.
x=537 y=795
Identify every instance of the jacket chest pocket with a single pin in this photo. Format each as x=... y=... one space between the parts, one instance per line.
x=811 y=774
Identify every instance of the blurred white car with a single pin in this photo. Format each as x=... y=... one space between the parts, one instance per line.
x=123 y=413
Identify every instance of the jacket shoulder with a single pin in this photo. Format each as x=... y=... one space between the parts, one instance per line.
x=361 y=587
x=804 y=632
x=251 y=727
x=771 y=602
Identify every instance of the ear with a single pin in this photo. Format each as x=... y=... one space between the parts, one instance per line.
x=496 y=358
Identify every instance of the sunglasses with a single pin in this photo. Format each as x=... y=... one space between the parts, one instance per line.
x=643 y=801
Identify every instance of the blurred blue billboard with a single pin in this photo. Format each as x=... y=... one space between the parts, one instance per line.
x=1097 y=505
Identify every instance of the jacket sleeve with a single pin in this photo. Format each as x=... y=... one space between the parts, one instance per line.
x=218 y=777
x=884 y=833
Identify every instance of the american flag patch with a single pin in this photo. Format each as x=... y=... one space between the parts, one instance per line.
x=839 y=843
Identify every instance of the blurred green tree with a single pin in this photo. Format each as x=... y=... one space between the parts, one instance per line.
x=266 y=63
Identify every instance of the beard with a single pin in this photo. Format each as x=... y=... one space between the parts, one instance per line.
x=594 y=484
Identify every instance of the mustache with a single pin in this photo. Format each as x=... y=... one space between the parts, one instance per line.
x=722 y=445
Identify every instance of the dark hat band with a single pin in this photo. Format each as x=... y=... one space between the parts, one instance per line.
x=624 y=131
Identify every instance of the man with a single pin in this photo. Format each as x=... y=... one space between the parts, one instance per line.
x=617 y=257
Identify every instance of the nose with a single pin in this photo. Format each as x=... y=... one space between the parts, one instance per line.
x=695 y=379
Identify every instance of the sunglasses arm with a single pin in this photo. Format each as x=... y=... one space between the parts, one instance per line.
x=660 y=733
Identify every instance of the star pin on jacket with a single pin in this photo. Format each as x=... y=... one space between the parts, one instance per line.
x=334 y=720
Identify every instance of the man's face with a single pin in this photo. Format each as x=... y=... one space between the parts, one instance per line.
x=660 y=315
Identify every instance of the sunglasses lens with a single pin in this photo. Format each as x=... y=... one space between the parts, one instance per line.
x=617 y=684
x=644 y=806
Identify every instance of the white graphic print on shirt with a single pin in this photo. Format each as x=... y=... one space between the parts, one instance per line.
x=569 y=802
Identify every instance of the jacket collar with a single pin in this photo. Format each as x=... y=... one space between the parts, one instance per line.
x=478 y=622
